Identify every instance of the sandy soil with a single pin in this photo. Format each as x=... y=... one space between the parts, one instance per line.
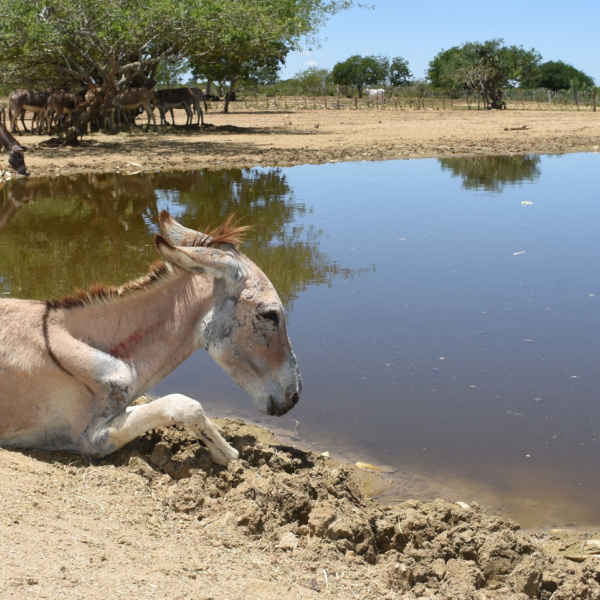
x=159 y=520
x=245 y=139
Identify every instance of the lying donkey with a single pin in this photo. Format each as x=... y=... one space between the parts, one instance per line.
x=70 y=368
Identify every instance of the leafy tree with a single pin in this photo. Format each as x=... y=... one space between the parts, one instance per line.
x=312 y=80
x=255 y=38
x=361 y=71
x=399 y=74
x=483 y=68
x=112 y=44
x=170 y=73
x=557 y=75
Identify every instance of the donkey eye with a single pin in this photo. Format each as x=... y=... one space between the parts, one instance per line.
x=272 y=316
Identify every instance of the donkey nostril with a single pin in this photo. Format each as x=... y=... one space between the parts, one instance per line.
x=296 y=398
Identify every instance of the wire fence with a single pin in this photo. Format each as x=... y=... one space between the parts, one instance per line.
x=515 y=99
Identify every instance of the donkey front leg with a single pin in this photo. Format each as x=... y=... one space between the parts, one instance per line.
x=109 y=435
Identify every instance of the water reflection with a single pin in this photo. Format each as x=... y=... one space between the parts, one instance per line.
x=68 y=232
x=492 y=173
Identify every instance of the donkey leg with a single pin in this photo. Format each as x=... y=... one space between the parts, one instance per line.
x=175 y=409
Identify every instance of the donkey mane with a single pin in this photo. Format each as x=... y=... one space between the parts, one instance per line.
x=229 y=233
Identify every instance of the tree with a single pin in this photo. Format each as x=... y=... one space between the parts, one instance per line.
x=313 y=80
x=359 y=71
x=399 y=74
x=557 y=75
x=112 y=44
x=255 y=37
x=483 y=68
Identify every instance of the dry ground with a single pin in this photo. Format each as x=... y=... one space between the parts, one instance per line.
x=158 y=520
x=245 y=139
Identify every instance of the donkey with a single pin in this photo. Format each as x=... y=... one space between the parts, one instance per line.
x=70 y=368
x=15 y=151
x=60 y=104
x=199 y=98
x=132 y=99
x=175 y=98
x=20 y=101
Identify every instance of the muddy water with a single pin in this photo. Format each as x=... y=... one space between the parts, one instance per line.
x=445 y=314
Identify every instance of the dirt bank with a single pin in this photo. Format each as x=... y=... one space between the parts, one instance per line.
x=244 y=139
x=158 y=520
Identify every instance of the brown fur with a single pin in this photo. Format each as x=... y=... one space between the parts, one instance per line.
x=100 y=293
x=228 y=233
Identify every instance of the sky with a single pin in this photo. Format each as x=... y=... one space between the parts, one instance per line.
x=418 y=30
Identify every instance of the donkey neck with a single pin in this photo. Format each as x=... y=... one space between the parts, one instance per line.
x=153 y=329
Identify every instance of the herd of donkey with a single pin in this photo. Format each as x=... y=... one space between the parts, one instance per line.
x=51 y=109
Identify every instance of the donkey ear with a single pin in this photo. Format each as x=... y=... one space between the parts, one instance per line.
x=177 y=234
x=209 y=261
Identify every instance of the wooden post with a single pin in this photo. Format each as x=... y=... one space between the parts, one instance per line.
x=594 y=98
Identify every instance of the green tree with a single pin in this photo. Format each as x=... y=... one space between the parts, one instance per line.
x=112 y=44
x=486 y=69
x=312 y=80
x=361 y=71
x=557 y=75
x=399 y=74
x=255 y=37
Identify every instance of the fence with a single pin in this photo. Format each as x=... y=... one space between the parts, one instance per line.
x=516 y=99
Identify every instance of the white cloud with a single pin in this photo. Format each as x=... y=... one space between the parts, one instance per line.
x=311 y=63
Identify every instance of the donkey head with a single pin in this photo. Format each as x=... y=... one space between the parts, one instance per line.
x=245 y=329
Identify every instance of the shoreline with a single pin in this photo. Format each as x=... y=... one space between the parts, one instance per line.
x=244 y=139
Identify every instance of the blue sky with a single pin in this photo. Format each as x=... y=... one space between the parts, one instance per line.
x=418 y=30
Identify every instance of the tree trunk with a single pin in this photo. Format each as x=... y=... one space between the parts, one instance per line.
x=228 y=96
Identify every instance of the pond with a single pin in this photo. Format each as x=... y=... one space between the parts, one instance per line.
x=445 y=313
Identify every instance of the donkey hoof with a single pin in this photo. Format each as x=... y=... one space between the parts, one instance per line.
x=223 y=456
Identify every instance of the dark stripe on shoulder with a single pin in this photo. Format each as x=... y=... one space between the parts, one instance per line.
x=51 y=354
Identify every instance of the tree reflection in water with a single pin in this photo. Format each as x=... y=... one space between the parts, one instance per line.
x=66 y=232
x=492 y=173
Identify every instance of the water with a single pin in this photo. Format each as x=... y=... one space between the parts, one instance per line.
x=444 y=313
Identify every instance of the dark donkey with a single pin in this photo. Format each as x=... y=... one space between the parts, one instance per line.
x=15 y=152
x=20 y=101
x=167 y=100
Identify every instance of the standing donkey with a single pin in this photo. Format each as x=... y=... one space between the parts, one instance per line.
x=70 y=368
